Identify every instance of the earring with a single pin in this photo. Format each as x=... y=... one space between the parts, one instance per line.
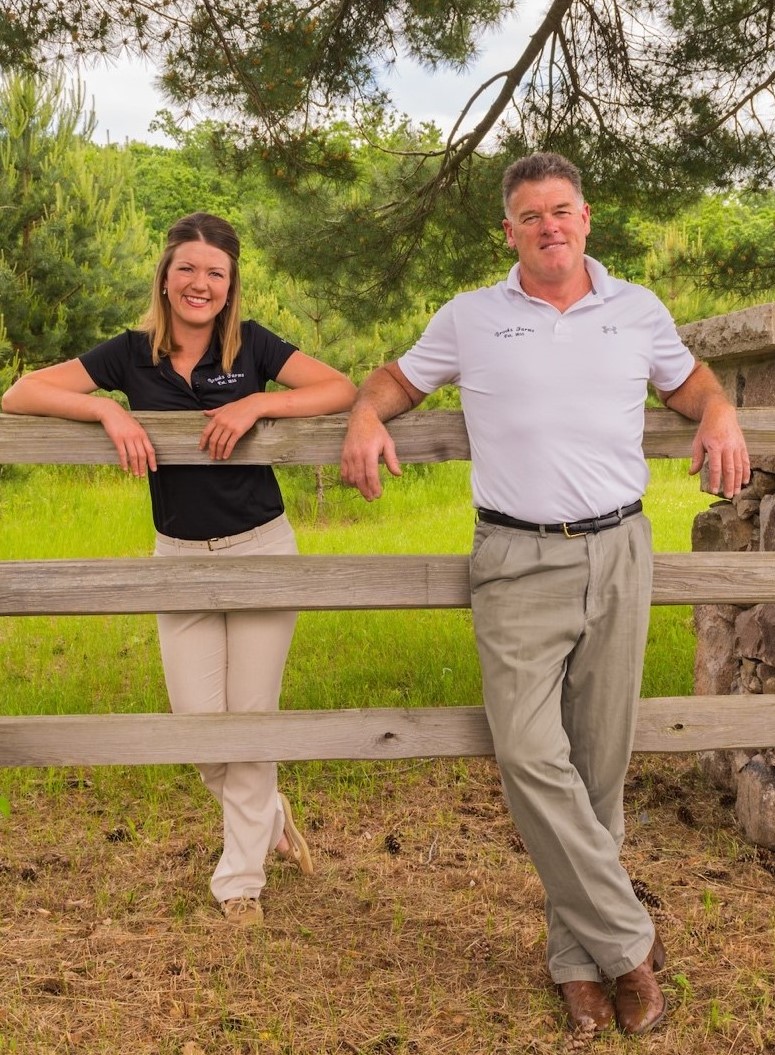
x=164 y=292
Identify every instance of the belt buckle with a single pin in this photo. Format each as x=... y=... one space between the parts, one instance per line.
x=217 y=543
x=572 y=534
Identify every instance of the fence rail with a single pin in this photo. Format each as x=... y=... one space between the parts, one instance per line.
x=323 y=583
x=420 y=436
x=665 y=724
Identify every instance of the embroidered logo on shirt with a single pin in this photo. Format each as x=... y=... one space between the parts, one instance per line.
x=514 y=331
x=609 y=329
x=224 y=379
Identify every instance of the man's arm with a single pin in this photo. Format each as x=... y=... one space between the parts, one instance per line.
x=702 y=399
x=382 y=396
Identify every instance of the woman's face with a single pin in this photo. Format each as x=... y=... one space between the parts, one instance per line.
x=197 y=283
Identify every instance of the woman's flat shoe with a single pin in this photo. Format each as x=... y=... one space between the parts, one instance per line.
x=298 y=852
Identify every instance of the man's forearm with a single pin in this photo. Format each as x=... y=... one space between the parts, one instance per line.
x=382 y=396
x=385 y=394
x=696 y=394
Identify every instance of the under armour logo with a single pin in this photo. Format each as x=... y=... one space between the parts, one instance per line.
x=609 y=329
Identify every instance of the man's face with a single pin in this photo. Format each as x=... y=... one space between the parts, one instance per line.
x=547 y=224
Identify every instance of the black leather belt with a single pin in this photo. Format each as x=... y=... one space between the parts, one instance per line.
x=577 y=527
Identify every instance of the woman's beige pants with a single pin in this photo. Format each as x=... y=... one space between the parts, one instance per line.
x=232 y=661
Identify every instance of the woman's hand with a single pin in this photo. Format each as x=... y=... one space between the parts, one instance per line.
x=310 y=388
x=228 y=424
x=135 y=450
x=66 y=391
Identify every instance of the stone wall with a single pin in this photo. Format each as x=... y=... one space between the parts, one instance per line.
x=736 y=645
x=740 y=347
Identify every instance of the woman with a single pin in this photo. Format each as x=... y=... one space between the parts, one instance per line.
x=193 y=353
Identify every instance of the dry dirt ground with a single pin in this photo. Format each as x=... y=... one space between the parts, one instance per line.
x=421 y=932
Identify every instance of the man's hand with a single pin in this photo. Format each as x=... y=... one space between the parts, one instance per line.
x=702 y=399
x=367 y=439
x=383 y=395
x=719 y=437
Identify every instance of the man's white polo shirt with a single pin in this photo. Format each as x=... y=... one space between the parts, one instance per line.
x=553 y=401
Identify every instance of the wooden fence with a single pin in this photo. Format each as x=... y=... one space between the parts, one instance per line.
x=60 y=587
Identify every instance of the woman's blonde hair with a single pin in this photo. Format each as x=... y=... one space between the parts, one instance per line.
x=198 y=227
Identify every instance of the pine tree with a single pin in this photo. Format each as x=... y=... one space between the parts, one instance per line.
x=656 y=100
x=73 y=249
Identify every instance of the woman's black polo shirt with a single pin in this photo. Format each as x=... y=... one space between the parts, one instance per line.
x=198 y=501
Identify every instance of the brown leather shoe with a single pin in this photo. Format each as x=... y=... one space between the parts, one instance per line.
x=640 y=1003
x=587 y=1005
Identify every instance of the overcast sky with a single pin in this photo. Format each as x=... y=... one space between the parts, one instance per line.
x=126 y=101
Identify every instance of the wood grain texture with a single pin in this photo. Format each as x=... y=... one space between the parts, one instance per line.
x=420 y=436
x=324 y=583
x=665 y=724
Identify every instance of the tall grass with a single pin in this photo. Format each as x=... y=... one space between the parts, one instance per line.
x=102 y=664
x=671 y=502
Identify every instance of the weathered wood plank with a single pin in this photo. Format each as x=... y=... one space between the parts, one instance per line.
x=290 y=735
x=322 y=583
x=665 y=724
x=431 y=436
x=421 y=436
x=704 y=723
x=669 y=435
x=713 y=578
x=180 y=584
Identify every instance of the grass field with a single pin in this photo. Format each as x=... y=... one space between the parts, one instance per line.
x=422 y=930
x=102 y=664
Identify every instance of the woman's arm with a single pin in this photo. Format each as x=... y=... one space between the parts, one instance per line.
x=65 y=391
x=311 y=388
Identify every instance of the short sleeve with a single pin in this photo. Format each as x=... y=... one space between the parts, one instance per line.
x=269 y=352
x=106 y=363
x=672 y=362
x=435 y=359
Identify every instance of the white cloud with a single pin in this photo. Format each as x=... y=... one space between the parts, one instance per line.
x=125 y=100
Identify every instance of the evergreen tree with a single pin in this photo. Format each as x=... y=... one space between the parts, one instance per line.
x=73 y=249
x=721 y=249
x=192 y=176
x=656 y=100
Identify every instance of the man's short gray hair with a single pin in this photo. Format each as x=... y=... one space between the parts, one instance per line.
x=537 y=167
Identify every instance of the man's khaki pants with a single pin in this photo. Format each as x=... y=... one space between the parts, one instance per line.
x=561 y=626
x=233 y=661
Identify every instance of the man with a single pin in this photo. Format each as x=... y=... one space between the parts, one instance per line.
x=553 y=366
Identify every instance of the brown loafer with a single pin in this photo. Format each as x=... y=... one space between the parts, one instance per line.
x=587 y=1005
x=640 y=1003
